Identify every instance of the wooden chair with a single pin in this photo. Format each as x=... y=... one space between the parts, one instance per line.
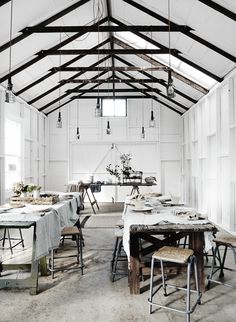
x=73 y=233
x=7 y=236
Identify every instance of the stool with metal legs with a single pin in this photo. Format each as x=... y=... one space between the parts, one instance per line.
x=118 y=255
x=228 y=242
x=73 y=233
x=7 y=236
x=181 y=256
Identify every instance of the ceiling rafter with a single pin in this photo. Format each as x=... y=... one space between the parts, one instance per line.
x=109 y=68
x=177 y=55
x=152 y=61
x=133 y=51
x=66 y=94
x=109 y=28
x=219 y=8
x=157 y=100
x=160 y=81
x=41 y=56
x=118 y=90
x=160 y=94
x=54 y=70
x=187 y=33
x=44 y=23
x=2 y=2
x=61 y=84
x=109 y=97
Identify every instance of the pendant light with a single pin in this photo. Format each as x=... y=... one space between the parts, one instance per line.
x=143 y=133
x=9 y=95
x=170 y=90
x=98 y=109
x=77 y=135
x=108 y=129
x=142 y=129
x=59 y=119
x=152 y=122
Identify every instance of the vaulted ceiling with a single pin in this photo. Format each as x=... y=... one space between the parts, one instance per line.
x=63 y=50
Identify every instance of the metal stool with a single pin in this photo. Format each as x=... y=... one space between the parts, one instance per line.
x=73 y=233
x=7 y=236
x=227 y=241
x=179 y=256
x=118 y=255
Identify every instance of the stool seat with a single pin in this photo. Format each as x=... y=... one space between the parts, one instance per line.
x=173 y=254
x=226 y=239
x=119 y=232
x=72 y=231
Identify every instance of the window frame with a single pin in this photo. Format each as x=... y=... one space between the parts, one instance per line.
x=116 y=98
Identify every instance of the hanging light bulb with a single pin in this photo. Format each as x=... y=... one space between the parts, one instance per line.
x=170 y=90
x=98 y=110
x=77 y=136
x=143 y=133
x=59 y=121
x=9 y=95
x=108 y=130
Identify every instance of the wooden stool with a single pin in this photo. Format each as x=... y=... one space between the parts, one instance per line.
x=73 y=233
x=118 y=255
x=227 y=241
x=179 y=256
x=7 y=236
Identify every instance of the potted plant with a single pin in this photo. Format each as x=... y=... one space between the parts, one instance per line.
x=34 y=190
x=20 y=189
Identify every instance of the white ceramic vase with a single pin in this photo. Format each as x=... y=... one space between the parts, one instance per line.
x=36 y=194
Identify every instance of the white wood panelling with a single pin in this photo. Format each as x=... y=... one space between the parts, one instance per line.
x=209 y=155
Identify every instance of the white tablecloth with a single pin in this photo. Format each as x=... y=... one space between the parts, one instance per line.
x=50 y=220
x=165 y=216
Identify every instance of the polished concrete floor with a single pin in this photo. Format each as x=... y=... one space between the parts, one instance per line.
x=93 y=297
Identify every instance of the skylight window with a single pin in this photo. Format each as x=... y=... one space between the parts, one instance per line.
x=114 y=107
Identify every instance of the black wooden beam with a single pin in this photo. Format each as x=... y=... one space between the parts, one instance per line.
x=54 y=70
x=66 y=94
x=44 y=23
x=2 y=2
x=133 y=51
x=186 y=32
x=111 y=97
x=61 y=84
x=111 y=28
x=109 y=68
x=175 y=74
x=110 y=33
x=177 y=55
x=117 y=90
x=160 y=81
x=42 y=55
x=107 y=81
x=160 y=94
x=219 y=8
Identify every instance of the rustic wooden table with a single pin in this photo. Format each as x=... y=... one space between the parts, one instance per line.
x=173 y=233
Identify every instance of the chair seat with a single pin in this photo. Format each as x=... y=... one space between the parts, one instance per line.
x=173 y=254
x=66 y=231
x=226 y=239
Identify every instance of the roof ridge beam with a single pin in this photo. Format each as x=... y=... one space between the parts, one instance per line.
x=44 y=23
x=187 y=33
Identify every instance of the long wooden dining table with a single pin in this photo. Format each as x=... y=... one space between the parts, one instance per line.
x=157 y=233
x=47 y=222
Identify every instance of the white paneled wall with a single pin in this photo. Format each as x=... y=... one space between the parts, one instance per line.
x=33 y=150
x=158 y=154
x=209 y=155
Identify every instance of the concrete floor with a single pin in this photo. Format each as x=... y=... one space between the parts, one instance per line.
x=93 y=297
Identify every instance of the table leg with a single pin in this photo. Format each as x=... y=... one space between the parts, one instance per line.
x=34 y=267
x=196 y=242
x=134 y=273
x=43 y=266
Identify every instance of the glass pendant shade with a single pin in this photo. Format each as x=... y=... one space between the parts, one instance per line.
x=77 y=136
x=152 y=122
x=59 y=121
x=98 y=110
x=143 y=133
x=9 y=95
x=108 y=130
x=170 y=90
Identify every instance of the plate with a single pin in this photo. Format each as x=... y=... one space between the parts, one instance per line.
x=143 y=209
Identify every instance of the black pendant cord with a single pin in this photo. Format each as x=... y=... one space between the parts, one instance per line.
x=10 y=47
